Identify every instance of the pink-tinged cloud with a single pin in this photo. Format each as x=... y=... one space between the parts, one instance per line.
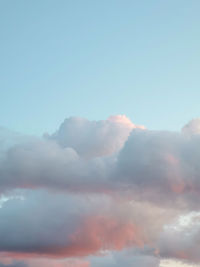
x=123 y=120
x=100 y=187
x=58 y=263
x=156 y=163
x=104 y=233
x=94 y=138
x=39 y=262
x=53 y=225
x=192 y=127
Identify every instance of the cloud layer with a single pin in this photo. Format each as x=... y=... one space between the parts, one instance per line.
x=100 y=193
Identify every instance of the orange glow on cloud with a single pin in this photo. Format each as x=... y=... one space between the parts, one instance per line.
x=122 y=119
x=102 y=233
x=97 y=233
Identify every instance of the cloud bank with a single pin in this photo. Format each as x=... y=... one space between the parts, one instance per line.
x=100 y=193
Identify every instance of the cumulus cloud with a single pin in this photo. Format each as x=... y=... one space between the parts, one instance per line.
x=150 y=166
x=192 y=127
x=101 y=188
x=94 y=138
x=65 y=225
x=180 y=240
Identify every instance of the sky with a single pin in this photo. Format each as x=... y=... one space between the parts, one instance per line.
x=98 y=58
x=99 y=133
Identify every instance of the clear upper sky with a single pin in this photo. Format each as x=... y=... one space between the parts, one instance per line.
x=94 y=58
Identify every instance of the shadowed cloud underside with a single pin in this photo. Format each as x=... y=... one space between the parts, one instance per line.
x=100 y=193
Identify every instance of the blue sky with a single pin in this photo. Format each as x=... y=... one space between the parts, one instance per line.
x=97 y=58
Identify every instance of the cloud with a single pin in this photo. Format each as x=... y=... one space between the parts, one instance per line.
x=64 y=225
x=18 y=264
x=45 y=262
x=94 y=138
x=99 y=189
x=161 y=167
x=128 y=258
x=180 y=240
x=150 y=166
x=192 y=127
